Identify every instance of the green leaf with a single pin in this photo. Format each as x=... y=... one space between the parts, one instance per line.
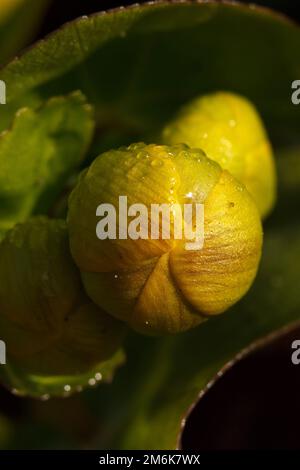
x=18 y=22
x=22 y=384
x=140 y=64
x=37 y=154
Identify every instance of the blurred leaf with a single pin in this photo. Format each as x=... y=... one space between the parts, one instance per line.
x=288 y=171
x=288 y=167
x=18 y=22
x=38 y=153
x=23 y=384
x=6 y=430
x=6 y=7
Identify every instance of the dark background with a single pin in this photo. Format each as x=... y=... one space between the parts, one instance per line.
x=60 y=12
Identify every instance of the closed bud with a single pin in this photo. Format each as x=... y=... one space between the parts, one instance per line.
x=230 y=131
x=158 y=284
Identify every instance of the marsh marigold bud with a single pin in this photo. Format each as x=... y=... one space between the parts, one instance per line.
x=158 y=286
x=48 y=323
x=230 y=131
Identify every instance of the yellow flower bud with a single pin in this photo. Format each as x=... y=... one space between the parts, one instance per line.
x=230 y=131
x=48 y=323
x=158 y=286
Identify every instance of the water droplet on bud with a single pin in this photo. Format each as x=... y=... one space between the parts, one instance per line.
x=45 y=397
x=156 y=162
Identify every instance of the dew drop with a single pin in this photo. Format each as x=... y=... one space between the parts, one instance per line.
x=67 y=388
x=136 y=146
x=156 y=162
x=17 y=392
x=45 y=397
x=142 y=155
x=92 y=382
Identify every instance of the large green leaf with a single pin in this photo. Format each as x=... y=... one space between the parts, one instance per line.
x=137 y=66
